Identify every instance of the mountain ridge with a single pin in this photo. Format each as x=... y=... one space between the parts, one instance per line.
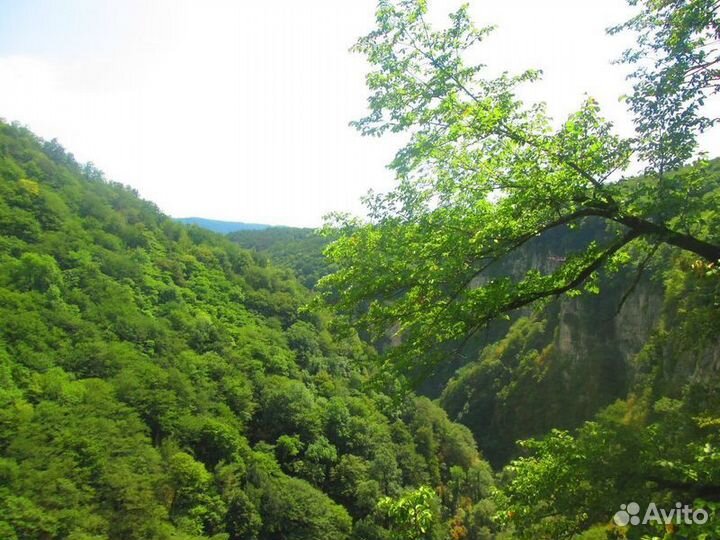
x=221 y=226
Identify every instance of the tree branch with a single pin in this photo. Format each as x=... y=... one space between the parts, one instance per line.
x=638 y=275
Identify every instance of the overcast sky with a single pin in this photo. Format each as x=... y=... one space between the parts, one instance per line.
x=239 y=110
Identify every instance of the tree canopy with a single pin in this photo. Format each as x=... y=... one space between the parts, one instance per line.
x=484 y=174
x=158 y=381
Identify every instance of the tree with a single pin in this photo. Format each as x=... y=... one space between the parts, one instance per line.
x=412 y=516
x=292 y=509
x=36 y=272
x=483 y=175
x=669 y=95
x=384 y=468
x=243 y=520
x=566 y=483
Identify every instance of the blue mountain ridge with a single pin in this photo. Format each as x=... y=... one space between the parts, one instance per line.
x=222 y=227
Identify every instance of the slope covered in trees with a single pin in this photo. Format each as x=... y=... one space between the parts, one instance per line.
x=296 y=248
x=158 y=381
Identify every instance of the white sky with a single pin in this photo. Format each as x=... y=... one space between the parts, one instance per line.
x=238 y=110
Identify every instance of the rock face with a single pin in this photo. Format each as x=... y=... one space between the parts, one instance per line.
x=559 y=367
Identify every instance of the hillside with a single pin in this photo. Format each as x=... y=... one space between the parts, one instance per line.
x=553 y=368
x=299 y=249
x=557 y=366
x=588 y=346
x=158 y=381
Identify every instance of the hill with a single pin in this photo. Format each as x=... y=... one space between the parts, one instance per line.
x=158 y=381
x=222 y=227
x=296 y=248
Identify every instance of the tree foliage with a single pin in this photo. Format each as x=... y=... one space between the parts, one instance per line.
x=483 y=175
x=158 y=381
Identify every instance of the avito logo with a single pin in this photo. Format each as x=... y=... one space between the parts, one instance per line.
x=681 y=514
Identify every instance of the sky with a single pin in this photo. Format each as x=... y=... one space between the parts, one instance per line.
x=239 y=110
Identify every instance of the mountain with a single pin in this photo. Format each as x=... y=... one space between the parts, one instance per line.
x=159 y=381
x=587 y=348
x=549 y=369
x=583 y=400
x=562 y=364
x=299 y=249
x=222 y=227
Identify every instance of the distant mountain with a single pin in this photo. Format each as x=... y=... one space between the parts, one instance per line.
x=222 y=227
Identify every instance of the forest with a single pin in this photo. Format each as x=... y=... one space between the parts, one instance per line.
x=521 y=340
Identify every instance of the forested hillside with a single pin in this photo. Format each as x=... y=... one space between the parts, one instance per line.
x=298 y=249
x=158 y=381
x=520 y=340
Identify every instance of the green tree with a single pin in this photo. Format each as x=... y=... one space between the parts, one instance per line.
x=412 y=516
x=484 y=174
x=243 y=520
x=189 y=482
x=567 y=483
x=384 y=468
x=294 y=510
x=36 y=272
x=669 y=93
x=317 y=461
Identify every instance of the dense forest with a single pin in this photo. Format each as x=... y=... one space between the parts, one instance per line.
x=158 y=381
x=298 y=249
x=611 y=385
x=521 y=340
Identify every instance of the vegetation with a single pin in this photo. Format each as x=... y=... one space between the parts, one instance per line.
x=158 y=381
x=483 y=174
x=298 y=249
x=484 y=186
